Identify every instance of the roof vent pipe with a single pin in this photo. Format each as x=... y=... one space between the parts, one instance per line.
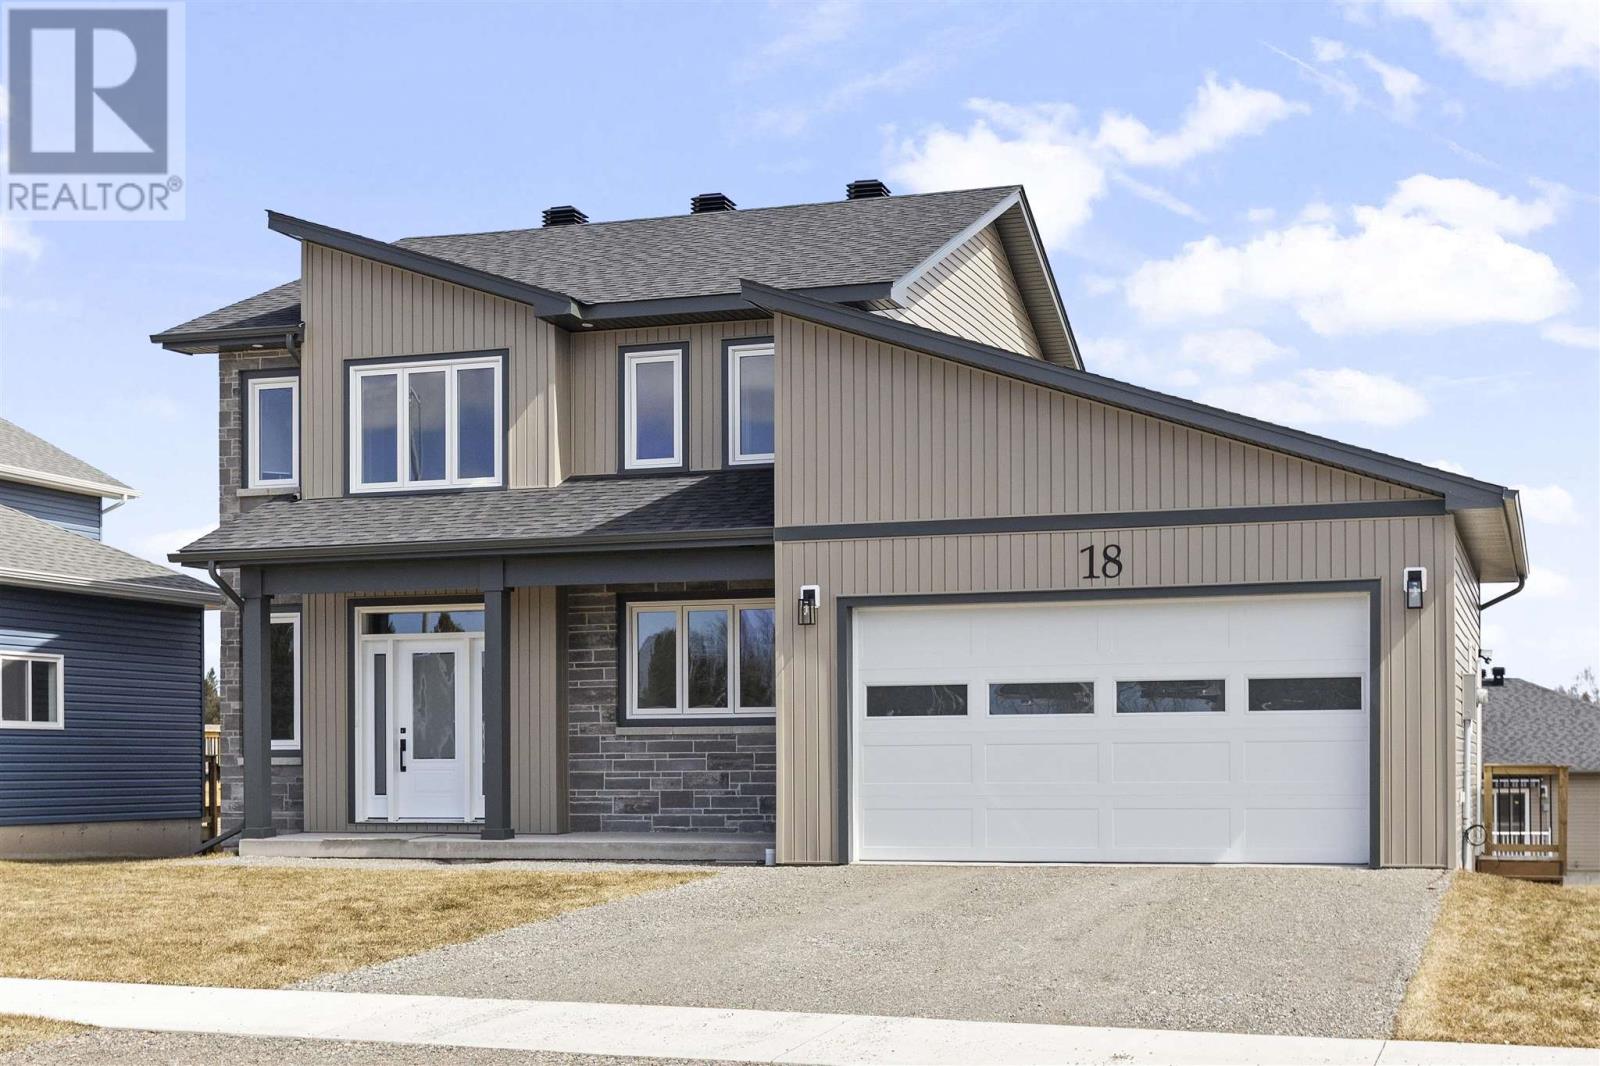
x=866 y=189
x=711 y=201
x=565 y=215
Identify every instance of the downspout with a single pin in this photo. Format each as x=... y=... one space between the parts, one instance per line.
x=115 y=504
x=1521 y=583
x=227 y=589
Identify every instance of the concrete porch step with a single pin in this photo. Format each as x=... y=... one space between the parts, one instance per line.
x=469 y=847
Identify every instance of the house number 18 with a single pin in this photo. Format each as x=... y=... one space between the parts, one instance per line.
x=1110 y=562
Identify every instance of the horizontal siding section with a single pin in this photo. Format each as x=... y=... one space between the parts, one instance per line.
x=594 y=370
x=1414 y=807
x=357 y=309
x=70 y=510
x=972 y=293
x=869 y=432
x=538 y=753
x=131 y=746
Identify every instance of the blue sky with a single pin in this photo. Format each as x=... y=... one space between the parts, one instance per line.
x=1379 y=223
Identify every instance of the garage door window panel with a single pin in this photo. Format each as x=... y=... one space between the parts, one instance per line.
x=1305 y=693
x=916 y=701
x=1041 y=697
x=701 y=660
x=1172 y=697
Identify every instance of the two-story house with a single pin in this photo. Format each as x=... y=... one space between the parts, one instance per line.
x=807 y=523
x=100 y=671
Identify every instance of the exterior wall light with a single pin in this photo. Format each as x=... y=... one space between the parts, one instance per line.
x=1414 y=582
x=810 y=596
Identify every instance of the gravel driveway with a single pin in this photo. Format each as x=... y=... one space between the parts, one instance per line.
x=1302 y=951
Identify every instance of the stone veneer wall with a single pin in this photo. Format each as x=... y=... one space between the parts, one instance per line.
x=654 y=778
x=288 y=792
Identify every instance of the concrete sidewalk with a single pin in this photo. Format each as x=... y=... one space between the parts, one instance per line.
x=704 y=1033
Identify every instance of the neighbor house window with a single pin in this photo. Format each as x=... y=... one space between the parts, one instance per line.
x=30 y=691
x=273 y=420
x=701 y=659
x=652 y=408
x=285 y=634
x=426 y=425
x=751 y=369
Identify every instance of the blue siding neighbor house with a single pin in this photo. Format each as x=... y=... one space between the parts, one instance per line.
x=101 y=655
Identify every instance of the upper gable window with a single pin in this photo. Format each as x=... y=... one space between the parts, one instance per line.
x=652 y=408
x=430 y=424
x=750 y=409
x=273 y=418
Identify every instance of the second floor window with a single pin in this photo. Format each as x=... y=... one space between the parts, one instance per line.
x=750 y=409
x=652 y=408
x=425 y=425
x=273 y=416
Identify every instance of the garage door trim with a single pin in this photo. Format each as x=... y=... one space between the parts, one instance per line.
x=845 y=607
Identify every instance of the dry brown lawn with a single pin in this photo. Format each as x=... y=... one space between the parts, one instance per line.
x=1510 y=962
x=223 y=923
x=17 y=1030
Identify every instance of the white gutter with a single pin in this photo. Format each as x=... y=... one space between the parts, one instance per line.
x=81 y=486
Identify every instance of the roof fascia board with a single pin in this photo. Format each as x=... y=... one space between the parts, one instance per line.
x=61 y=482
x=121 y=590
x=753 y=536
x=1050 y=276
x=543 y=301
x=277 y=336
x=1459 y=492
x=898 y=292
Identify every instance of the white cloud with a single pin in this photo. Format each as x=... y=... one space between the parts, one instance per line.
x=1573 y=336
x=1260 y=215
x=1158 y=196
x=1220 y=113
x=1547 y=584
x=1433 y=257
x=1450 y=468
x=1038 y=146
x=17 y=238
x=1328 y=51
x=1549 y=504
x=1314 y=397
x=809 y=29
x=1513 y=42
x=1402 y=85
x=1230 y=351
x=1192 y=360
x=789 y=121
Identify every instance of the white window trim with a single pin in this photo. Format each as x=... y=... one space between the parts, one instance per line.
x=683 y=710
x=630 y=365
x=292 y=619
x=401 y=371
x=253 y=479
x=27 y=705
x=736 y=352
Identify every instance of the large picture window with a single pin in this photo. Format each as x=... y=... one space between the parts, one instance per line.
x=31 y=691
x=273 y=419
x=426 y=425
x=652 y=408
x=751 y=371
x=285 y=666
x=701 y=659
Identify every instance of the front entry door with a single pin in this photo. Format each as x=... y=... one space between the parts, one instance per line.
x=434 y=692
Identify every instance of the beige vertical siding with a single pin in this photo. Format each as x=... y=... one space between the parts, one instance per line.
x=1583 y=822
x=1414 y=806
x=868 y=432
x=1465 y=626
x=591 y=389
x=972 y=293
x=538 y=736
x=355 y=308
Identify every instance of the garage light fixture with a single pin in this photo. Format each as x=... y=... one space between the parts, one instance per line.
x=1414 y=581
x=810 y=595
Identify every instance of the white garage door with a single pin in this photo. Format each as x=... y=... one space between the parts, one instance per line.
x=1190 y=730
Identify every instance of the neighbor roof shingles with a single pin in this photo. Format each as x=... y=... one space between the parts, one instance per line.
x=1528 y=724
x=595 y=511
x=803 y=246
x=33 y=551
x=23 y=451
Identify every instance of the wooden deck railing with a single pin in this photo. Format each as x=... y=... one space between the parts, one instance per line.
x=1524 y=821
x=211 y=802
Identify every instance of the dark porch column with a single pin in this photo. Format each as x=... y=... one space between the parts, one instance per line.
x=256 y=727
x=496 y=702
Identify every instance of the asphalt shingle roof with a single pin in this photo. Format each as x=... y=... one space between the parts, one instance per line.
x=802 y=246
x=22 y=450
x=578 y=511
x=1529 y=724
x=35 y=552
